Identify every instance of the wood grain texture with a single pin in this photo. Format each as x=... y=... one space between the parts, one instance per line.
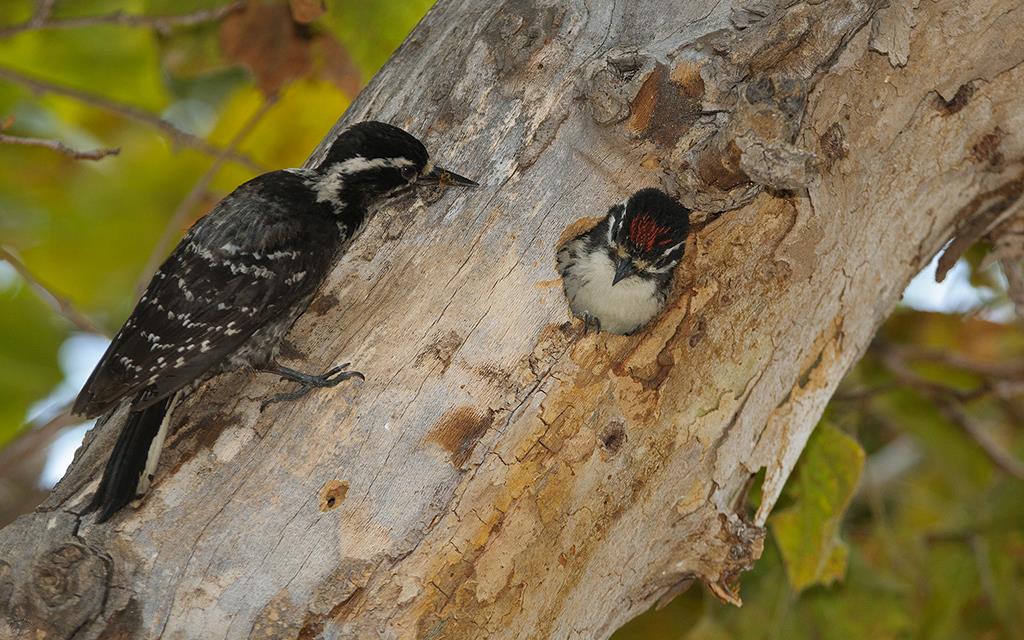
x=499 y=475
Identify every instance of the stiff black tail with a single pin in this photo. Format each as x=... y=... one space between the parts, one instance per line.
x=127 y=463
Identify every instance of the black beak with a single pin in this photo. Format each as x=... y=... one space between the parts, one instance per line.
x=623 y=269
x=445 y=178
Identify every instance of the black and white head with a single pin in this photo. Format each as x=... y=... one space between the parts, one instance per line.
x=376 y=159
x=646 y=235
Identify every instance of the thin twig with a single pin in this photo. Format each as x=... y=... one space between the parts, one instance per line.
x=190 y=201
x=863 y=393
x=996 y=453
x=133 y=113
x=42 y=12
x=1014 y=272
x=61 y=304
x=35 y=438
x=59 y=147
x=162 y=24
x=949 y=405
x=996 y=371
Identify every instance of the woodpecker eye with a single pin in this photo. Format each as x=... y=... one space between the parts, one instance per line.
x=409 y=173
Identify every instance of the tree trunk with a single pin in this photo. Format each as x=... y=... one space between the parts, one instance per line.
x=499 y=474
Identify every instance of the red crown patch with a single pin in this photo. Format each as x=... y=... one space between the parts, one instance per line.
x=647 y=234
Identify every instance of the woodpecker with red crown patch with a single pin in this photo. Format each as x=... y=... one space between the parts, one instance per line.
x=232 y=288
x=617 y=275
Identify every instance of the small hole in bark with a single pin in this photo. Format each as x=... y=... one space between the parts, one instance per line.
x=333 y=494
x=613 y=437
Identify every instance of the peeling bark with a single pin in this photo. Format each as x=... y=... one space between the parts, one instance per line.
x=500 y=475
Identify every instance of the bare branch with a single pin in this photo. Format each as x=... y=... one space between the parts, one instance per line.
x=984 y=213
x=36 y=438
x=1014 y=272
x=60 y=304
x=996 y=371
x=42 y=12
x=996 y=453
x=133 y=113
x=190 y=201
x=949 y=403
x=59 y=147
x=163 y=24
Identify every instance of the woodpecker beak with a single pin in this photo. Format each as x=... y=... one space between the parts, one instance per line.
x=623 y=269
x=445 y=178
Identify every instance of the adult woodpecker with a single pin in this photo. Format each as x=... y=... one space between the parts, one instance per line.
x=617 y=275
x=233 y=287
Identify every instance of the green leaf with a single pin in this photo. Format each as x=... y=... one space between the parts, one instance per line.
x=807 y=532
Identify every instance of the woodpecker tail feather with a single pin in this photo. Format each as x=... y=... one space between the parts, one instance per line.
x=133 y=459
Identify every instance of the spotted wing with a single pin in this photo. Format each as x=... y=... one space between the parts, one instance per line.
x=239 y=270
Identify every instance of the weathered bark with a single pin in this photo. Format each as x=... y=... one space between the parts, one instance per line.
x=499 y=474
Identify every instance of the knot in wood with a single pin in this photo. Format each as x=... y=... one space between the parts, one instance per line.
x=68 y=577
x=745 y=542
x=612 y=81
x=613 y=437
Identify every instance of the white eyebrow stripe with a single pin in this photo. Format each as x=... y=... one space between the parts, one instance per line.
x=671 y=249
x=328 y=184
x=617 y=217
x=359 y=163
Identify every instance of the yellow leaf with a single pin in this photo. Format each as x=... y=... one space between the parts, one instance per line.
x=806 y=532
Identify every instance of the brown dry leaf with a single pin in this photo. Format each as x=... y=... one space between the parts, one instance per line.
x=6 y=123
x=337 y=66
x=306 y=11
x=264 y=39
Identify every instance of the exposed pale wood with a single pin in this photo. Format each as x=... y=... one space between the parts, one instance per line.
x=498 y=475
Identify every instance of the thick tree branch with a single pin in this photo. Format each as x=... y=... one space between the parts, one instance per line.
x=500 y=474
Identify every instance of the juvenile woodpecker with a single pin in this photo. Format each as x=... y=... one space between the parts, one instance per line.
x=233 y=287
x=618 y=274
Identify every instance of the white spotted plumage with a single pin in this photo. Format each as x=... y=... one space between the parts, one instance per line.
x=232 y=288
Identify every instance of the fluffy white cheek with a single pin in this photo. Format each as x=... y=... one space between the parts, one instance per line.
x=622 y=308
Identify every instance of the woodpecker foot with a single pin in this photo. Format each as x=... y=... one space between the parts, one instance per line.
x=590 y=322
x=307 y=382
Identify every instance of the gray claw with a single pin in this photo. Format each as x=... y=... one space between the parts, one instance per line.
x=307 y=382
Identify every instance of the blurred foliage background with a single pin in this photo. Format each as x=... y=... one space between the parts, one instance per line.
x=122 y=122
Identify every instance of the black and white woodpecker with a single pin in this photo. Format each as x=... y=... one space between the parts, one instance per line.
x=618 y=274
x=233 y=287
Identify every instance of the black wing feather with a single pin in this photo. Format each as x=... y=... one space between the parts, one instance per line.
x=234 y=272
